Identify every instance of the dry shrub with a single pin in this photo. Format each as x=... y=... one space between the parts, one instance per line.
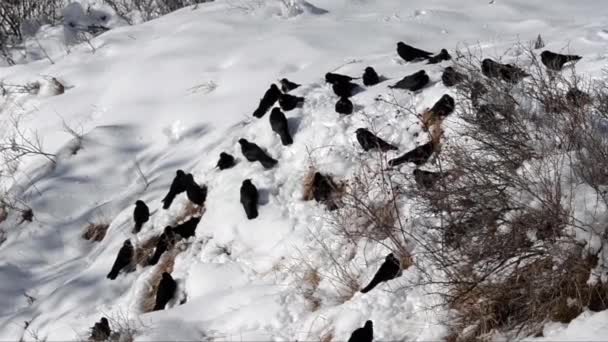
x=95 y=231
x=308 y=288
x=308 y=188
x=503 y=232
x=327 y=337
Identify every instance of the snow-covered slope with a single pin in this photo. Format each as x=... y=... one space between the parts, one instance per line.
x=174 y=93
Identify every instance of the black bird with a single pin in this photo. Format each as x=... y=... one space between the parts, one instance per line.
x=141 y=215
x=506 y=72
x=287 y=85
x=278 y=123
x=196 y=194
x=444 y=106
x=323 y=188
x=369 y=141
x=101 y=330
x=370 y=77
x=451 y=77
x=440 y=57
x=290 y=102
x=344 y=106
x=164 y=243
x=413 y=82
x=426 y=179
x=165 y=292
x=123 y=259
x=188 y=228
x=389 y=269
x=418 y=156
x=477 y=91
x=556 y=61
x=253 y=153
x=249 y=199
x=177 y=187
x=337 y=78
x=226 y=161
x=344 y=89
x=577 y=97
x=270 y=97
x=410 y=53
x=365 y=334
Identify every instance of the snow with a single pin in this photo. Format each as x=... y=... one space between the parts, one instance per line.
x=174 y=93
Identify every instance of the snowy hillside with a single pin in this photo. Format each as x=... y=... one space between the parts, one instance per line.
x=175 y=92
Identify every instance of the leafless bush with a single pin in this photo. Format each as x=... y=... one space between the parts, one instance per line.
x=148 y=9
x=502 y=229
x=17 y=16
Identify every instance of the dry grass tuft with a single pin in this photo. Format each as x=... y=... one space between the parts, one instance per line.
x=95 y=231
x=308 y=192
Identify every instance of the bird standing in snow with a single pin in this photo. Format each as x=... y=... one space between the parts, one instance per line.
x=365 y=334
x=506 y=72
x=177 y=187
x=196 y=194
x=413 y=82
x=389 y=269
x=278 y=123
x=556 y=61
x=123 y=259
x=440 y=57
x=188 y=228
x=101 y=330
x=370 y=77
x=226 y=161
x=344 y=106
x=165 y=292
x=290 y=102
x=344 y=89
x=270 y=97
x=369 y=141
x=141 y=215
x=253 y=153
x=451 y=77
x=418 y=156
x=323 y=189
x=249 y=199
x=410 y=53
x=164 y=243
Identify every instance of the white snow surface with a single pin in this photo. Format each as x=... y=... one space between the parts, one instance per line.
x=174 y=93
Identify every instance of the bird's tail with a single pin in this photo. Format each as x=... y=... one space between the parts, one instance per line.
x=137 y=227
x=286 y=139
x=387 y=147
x=574 y=58
x=268 y=162
x=112 y=275
x=370 y=286
x=398 y=161
x=154 y=259
x=168 y=200
x=252 y=211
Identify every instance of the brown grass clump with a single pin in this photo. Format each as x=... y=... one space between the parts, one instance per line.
x=308 y=192
x=311 y=281
x=95 y=231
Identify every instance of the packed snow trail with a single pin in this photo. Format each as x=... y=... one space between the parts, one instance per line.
x=174 y=93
